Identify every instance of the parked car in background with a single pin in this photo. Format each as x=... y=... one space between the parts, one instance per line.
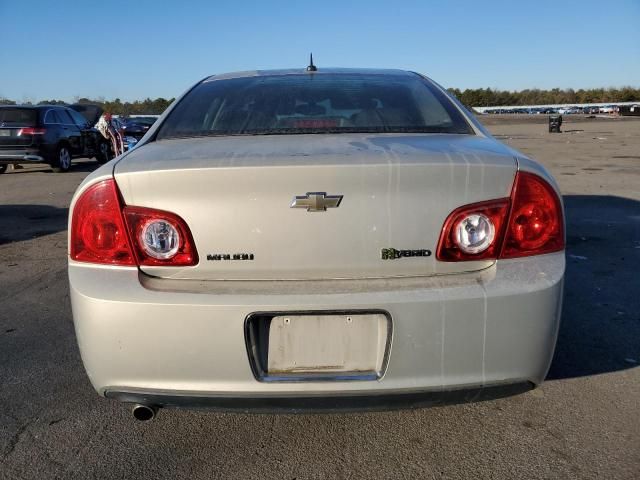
x=570 y=110
x=50 y=134
x=136 y=127
x=91 y=113
x=629 y=110
x=608 y=109
x=294 y=239
x=133 y=129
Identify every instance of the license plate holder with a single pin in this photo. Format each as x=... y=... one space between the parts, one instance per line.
x=317 y=346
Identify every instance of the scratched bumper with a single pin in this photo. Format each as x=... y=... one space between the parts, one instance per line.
x=139 y=334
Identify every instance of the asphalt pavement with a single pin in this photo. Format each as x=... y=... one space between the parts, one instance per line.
x=584 y=422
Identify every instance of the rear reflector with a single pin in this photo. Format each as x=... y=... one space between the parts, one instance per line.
x=531 y=222
x=100 y=233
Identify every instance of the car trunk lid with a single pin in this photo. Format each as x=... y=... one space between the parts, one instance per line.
x=235 y=194
x=91 y=112
x=13 y=121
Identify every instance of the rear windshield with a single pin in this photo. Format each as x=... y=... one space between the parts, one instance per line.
x=313 y=103
x=18 y=117
x=140 y=120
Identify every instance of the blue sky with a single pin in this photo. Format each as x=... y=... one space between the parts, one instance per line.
x=135 y=49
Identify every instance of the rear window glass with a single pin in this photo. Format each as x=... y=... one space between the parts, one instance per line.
x=65 y=117
x=313 y=103
x=141 y=120
x=51 y=117
x=18 y=117
x=77 y=118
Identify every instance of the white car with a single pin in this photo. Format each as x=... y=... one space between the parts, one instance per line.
x=326 y=239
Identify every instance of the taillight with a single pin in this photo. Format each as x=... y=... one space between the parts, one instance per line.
x=104 y=232
x=160 y=238
x=31 y=131
x=98 y=233
x=536 y=223
x=528 y=223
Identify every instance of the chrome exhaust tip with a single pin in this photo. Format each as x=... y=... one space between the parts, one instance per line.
x=143 y=413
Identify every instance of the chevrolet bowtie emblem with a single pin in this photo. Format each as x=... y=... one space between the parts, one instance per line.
x=316 y=201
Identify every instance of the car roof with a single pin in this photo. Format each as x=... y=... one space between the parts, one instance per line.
x=303 y=71
x=25 y=107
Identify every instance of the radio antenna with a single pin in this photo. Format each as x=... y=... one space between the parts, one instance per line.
x=311 y=67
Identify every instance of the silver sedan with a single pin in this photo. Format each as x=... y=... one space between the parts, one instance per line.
x=317 y=239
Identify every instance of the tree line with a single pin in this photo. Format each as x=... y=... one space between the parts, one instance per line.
x=147 y=106
x=471 y=97
x=487 y=97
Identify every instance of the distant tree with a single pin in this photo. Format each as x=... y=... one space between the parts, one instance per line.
x=627 y=94
x=455 y=92
x=51 y=102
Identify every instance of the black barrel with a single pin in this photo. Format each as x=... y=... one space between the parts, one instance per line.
x=555 y=122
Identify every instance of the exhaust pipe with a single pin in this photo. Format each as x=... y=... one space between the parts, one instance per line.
x=143 y=413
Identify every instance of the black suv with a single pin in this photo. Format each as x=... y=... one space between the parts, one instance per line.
x=50 y=134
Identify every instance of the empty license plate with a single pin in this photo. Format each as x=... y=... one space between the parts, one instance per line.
x=352 y=345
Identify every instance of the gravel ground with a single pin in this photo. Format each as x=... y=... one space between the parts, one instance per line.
x=582 y=423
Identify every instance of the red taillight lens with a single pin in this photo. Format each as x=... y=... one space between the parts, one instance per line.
x=529 y=223
x=102 y=232
x=160 y=238
x=31 y=131
x=450 y=248
x=98 y=233
x=536 y=223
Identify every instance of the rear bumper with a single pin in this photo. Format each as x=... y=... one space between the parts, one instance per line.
x=21 y=156
x=173 y=341
x=324 y=403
